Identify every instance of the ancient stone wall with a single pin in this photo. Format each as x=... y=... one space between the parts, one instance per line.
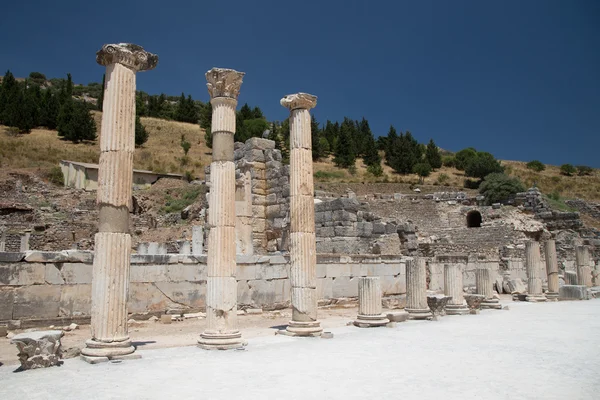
x=42 y=287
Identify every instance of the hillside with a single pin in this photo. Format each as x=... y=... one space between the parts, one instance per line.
x=43 y=149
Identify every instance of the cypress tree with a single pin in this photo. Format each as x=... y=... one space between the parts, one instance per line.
x=432 y=155
x=141 y=135
x=390 y=149
x=8 y=98
x=100 y=102
x=345 y=155
x=371 y=157
x=317 y=152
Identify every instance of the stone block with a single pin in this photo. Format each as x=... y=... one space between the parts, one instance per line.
x=323 y=216
x=246 y=272
x=324 y=288
x=378 y=228
x=259 y=143
x=76 y=273
x=345 y=286
x=393 y=285
x=148 y=273
x=337 y=270
x=343 y=215
x=346 y=231
x=272 y=271
x=39 y=301
x=22 y=274
x=573 y=292
x=52 y=274
x=390 y=228
x=10 y=257
x=321 y=270
x=345 y=203
x=38 y=349
x=325 y=232
x=75 y=300
x=397 y=316
x=7 y=300
x=244 y=293
x=154 y=258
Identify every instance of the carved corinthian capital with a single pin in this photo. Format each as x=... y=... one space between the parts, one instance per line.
x=224 y=82
x=128 y=54
x=299 y=100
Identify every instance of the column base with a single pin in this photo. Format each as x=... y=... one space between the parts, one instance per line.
x=109 y=350
x=452 y=309
x=221 y=341
x=491 y=304
x=550 y=296
x=536 y=298
x=371 y=321
x=418 y=313
x=296 y=328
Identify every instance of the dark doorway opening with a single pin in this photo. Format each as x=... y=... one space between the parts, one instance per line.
x=473 y=219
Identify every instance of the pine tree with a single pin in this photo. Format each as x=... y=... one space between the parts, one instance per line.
x=8 y=98
x=140 y=104
x=246 y=112
x=141 y=135
x=100 y=101
x=206 y=122
x=371 y=157
x=391 y=157
x=317 y=151
x=181 y=111
x=345 y=155
x=257 y=113
x=432 y=155
x=75 y=122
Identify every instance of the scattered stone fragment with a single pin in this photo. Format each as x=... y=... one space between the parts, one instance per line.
x=39 y=349
x=73 y=326
x=153 y=318
x=398 y=316
x=71 y=352
x=327 y=335
x=254 y=311
x=165 y=319
x=193 y=315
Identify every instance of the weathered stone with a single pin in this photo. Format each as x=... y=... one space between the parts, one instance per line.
x=573 y=292
x=436 y=304
x=416 y=286
x=39 y=349
x=397 y=316
x=534 y=269
x=369 y=303
x=453 y=287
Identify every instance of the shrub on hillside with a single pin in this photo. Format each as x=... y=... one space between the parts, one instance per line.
x=462 y=158
x=536 y=165
x=584 y=170
x=481 y=165
x=449 y=161
x=423 y=169
x=567 y=169
x=498 y=187
x=55 y=175
x=141 y=135
x=375 y=170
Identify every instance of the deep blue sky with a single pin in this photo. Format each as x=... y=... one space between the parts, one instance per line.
x=518 y=78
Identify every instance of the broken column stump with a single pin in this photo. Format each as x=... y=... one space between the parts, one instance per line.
x=369 y=303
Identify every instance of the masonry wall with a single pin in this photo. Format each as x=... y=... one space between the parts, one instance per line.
x=38 y=287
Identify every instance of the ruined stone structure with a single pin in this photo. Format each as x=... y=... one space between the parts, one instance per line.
x=534 y=269
x=453 y=287
x=484 y=287
x=303 y=248
x=416 y=289
x=221 y=287
x=551 y=270
x=584 y=269
x=369 y=303
x=110 y=283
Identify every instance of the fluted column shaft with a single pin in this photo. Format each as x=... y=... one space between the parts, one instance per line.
x=369 y=296
x=551 y=268
x=416 y=288
x=369 y=303
x=110 y=276
x=303 y=247
x=483 y=283
x=221 y=286
x=533 y=265
x=584 y=269
x=453 y=287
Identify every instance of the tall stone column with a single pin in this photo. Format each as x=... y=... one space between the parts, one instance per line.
x=483 y=282
x=584 y=269
x=551 y=269
x=416 y=289
x=303 y=246
x=534 y=269
x=110 y=276
x=453 y=287
x=221 y=286
x=369 y=303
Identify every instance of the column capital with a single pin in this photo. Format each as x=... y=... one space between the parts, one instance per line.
x=299 y=100
x=127 y=54
x=224 y=82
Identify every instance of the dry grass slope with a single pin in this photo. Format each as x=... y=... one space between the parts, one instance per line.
x=43 y=149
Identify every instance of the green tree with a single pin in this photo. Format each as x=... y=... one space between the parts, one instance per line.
x=567 y=169
x=372 y=157
x=140 y=104
x=423 y=169
x=9 y=94
x=498 y=188
x=246 y=112
x=536 y=165
x=75 y=123
x=100 y=101
x=462 y=158
x=482 y=164
x=49 y=110
x=37 y=78
x=206 y=122
x=257 y=113
x=315 y=134
x=344 y=155
x=432 y=155
x=390 y=146
x=141 y=135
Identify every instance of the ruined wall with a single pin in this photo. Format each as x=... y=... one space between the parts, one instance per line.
x=41 y=287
